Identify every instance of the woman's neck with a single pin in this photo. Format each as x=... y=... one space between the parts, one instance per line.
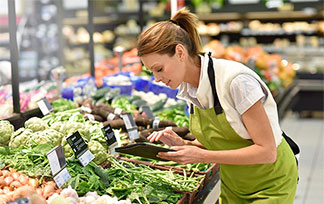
x=193 y=71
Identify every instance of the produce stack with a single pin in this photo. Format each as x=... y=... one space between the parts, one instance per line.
x=106 y=178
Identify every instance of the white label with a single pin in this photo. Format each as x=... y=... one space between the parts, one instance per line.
x=127 y=122
x=86 y=109
x=54 y=162
x=45 y=109
x=110 y=117
x=90 y=117
x=118 y=111
x=62 y=177
x=86 y=158
x=133 y=134
x=156 y=123
x=112 y=149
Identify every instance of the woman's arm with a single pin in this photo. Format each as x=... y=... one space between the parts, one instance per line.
x=264 y=150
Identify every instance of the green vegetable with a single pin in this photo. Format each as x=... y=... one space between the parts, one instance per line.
x=100 y=93
x=35 y=124
x=98 y=151
x=20 y=137
x=63 y=104
x=158 y=105
x=6 y=130
x=48 y=136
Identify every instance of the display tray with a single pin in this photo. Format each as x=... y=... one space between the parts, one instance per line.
x=143 y=150
x=209 y=173
x=188 y=197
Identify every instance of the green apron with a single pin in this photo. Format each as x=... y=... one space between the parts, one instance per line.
x=257 y=183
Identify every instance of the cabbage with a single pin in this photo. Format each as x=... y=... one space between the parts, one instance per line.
x=6 y=130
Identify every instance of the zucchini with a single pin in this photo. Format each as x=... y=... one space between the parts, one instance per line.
x=100 y=93
x=158 y=105
x=139 y=102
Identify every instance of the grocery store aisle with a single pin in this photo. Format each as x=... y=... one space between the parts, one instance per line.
x=309 y=134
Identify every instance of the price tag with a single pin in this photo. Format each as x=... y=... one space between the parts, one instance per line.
x=90 y=117
x=110 y=117
x=133 y=134
x=109 y=135
x=130 y=126
x=86 y=109
x=129 y=121
x=147 y=111
x=19 y=201
x=111 y=139
x=156 y=123
x=80 y=148
x=118 y=111
x=44 y=106
x=57 y=163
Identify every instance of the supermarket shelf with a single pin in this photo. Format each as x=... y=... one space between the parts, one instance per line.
x=260 y=16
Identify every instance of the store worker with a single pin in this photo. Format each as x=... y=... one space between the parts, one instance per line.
x=232 y=115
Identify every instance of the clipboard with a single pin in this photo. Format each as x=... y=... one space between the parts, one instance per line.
x=143 y=150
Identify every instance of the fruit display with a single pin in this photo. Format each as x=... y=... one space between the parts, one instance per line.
x=272 y=68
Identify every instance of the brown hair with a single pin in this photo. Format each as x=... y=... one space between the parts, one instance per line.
x=162 y=37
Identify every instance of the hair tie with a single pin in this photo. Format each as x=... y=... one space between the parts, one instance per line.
x=174 y=22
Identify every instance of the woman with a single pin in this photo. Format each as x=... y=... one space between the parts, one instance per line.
x=233 y=115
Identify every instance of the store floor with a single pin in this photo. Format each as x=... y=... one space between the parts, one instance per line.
x=309 y=134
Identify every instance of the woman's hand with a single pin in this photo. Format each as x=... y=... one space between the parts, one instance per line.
x=167 y=136
x=187 y=154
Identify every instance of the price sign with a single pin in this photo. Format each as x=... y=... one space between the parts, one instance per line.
x=19 y=201
x=57 y=163
x=109 y=135
x=156 y=123
x=111 y=139
x=130 y=126
x=90 y=117
x=86 y=109
x=147 y=111
x=118 y=111
x=80 y=148
x=44 y=106
x=129 y=121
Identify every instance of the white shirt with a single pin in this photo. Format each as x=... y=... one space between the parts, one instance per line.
x=245 y=91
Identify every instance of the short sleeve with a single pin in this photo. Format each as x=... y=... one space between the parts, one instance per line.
x=246 y=91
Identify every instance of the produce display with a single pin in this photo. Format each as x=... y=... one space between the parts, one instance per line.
x=276 y=72
x=106 y=178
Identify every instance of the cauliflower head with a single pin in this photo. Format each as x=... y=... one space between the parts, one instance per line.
x=20 y=138
x=49 y=136
x=98 y=151
x=36 y=124
x=6 y=130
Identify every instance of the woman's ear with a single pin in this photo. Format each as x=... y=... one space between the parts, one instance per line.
x=180 y=52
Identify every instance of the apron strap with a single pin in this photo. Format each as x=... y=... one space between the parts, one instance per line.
x=211 y=75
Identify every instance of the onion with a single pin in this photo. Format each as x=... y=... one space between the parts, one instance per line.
x=23 y=179
x=33 y=183
x=15 y=176
x=8 y=180
x=5 y=173
x=15 y=184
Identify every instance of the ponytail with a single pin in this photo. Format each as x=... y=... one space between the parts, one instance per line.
x=162 y=37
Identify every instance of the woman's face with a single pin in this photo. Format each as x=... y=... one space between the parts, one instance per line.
x=169 y=70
